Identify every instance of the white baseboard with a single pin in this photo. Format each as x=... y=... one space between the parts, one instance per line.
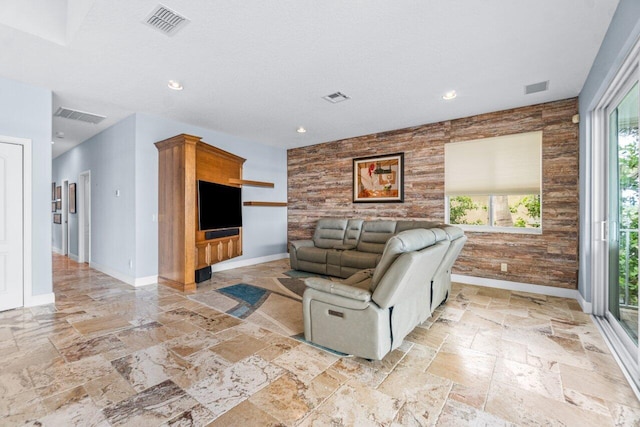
x=57 y=250
x=246 y=262
x=129 y=280
x=73 y=257
x=42 y=299
x=586 y=306
x=149 y=280
x=524 y=287
x=144 y=281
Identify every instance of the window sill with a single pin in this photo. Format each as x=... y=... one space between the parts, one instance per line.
x=507 y=230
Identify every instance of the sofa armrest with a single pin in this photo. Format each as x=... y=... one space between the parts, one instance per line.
x=297 y=244
x=337 y=288
x=313 y=295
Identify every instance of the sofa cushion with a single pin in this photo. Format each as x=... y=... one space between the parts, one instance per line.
x=358 y=260
x=352 y=234
x=374 y=235
x=329 y=232
x=312 y=254
x=406 y=241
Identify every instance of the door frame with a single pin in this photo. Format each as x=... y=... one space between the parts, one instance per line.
x=27 y=214
x=64 y=234
x=600 y=221
x=83 y=214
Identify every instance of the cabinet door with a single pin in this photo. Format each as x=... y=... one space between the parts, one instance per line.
x=203 y=257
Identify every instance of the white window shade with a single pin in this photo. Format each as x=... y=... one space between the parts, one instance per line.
x=502 y=165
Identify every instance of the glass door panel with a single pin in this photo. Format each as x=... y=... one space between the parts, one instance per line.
x=623 y=213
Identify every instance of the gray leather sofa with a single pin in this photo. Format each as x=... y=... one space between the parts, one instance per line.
x=370 y=313
x=342 y=247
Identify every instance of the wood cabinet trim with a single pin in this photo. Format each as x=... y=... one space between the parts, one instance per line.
x=273 y=204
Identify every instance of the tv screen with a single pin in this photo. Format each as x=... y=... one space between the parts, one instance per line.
x=219 y=206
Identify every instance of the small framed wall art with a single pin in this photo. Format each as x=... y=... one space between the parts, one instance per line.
x=378 y=179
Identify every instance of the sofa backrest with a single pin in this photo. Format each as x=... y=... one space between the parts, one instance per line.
x=406 y=241
x=352 y=234
x=410 y=275
x=329 y=232
x=410 y=225
x=375 y=234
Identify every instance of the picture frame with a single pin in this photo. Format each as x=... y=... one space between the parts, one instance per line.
x=379 y=179
x=58 y=205
x=58 y=193
x=53 y=191
x=72 y=198
x=57 y=218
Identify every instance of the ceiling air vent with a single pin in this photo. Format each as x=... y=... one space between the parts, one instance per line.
x=336 y=97
x=536 y=87
x=82 y=116
x=165 y=20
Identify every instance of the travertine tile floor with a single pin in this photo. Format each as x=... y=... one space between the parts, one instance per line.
x=109 y=354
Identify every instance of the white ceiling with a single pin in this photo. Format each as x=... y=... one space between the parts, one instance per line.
x=259 y=69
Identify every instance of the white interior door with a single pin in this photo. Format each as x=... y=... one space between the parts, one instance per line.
x=11 y=227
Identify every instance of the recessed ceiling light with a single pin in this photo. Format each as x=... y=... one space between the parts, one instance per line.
x=449 y=95
x=175 y=85
x=301 y=130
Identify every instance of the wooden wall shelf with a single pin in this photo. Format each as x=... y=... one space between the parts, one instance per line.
x=265 y=204
x=251 y=183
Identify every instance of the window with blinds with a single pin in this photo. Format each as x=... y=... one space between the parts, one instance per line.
x=495 y=183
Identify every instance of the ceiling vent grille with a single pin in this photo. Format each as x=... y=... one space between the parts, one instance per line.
x=536 y=87
x=82 y=116
x=166 y=20
x=336 y=97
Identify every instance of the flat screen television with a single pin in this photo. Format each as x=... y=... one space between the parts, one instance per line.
x=219 y=206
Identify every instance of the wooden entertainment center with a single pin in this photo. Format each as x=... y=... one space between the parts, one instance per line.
x=182 y=247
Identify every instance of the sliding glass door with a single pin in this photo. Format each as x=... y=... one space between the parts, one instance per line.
x=624 y=198
x=613 y=202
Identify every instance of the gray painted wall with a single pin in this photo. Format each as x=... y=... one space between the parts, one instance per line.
x=622 y=34
x=25 y=112
x=264 y=228
x=124 y=157
x=110 y=157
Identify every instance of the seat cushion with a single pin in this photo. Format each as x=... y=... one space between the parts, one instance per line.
x=358 y=260
x=312 y=254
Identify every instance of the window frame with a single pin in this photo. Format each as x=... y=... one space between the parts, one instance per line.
x=489 y=228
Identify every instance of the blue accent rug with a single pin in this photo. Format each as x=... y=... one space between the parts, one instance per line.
x=247 y=293
x=249 y=298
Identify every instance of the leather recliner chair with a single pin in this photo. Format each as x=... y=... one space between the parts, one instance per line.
x=370 y=313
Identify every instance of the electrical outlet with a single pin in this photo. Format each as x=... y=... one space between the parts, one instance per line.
x=503 y=267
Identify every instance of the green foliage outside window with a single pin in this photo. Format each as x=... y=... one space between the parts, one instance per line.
x=628 y=178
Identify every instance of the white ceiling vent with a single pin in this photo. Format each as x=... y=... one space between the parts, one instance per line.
x=165 y=20
x=82 y=116
x=336 y=97
x=536 y=87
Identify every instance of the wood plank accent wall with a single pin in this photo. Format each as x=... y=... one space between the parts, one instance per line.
x=319 y=186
